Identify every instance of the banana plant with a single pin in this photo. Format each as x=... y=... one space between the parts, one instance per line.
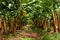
x=43 y=9
x=8 y=8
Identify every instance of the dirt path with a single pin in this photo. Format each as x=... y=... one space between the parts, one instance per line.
x=23 y=34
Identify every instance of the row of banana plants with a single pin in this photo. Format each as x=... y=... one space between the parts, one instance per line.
x=16 y=13
x=11 y=17
x=44 y=13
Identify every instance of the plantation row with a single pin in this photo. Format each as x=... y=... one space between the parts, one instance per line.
x=14 y=14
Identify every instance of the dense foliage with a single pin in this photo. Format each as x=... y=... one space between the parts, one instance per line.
x=41 y=13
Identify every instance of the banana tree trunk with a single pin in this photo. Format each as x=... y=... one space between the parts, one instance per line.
x=55 y=22
x=1 y=31
x=17 y=22
x=13 y=28
x=9 y=24
x=45 y=24
x=4 y=22
x=59 y=26
x=5 y=25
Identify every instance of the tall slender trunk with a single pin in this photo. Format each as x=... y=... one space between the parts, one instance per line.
x=9 y=24
x=17 y=22
x=4 y=22
x=45 y=24
x=55 y=21
x=1 y=31
x=58 y=24
x=13 y=29
x=42 y=24
x=5 y=25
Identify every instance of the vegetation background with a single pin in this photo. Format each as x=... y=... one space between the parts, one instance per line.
x=30 y=19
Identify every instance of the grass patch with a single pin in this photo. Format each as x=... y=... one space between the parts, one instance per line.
x=26 y=38
x=36 y=29
x=10 y=35
x=54 y=36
